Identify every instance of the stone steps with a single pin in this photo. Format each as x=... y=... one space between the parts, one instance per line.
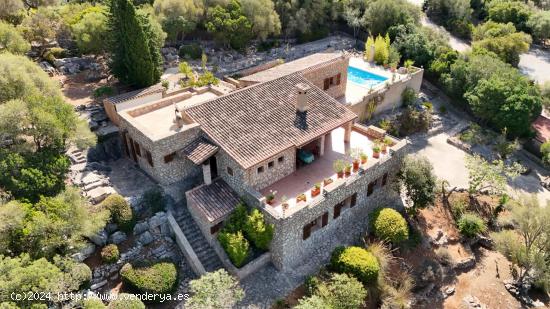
x=206 y=254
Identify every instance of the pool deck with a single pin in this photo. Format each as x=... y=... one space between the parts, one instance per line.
x=354 y=92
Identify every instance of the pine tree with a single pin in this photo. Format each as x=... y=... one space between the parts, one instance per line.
x=136 y=59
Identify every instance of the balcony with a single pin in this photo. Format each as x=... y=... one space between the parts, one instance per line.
x=302 y=180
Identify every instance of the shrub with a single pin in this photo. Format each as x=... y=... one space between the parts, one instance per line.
x=121 y=211
x=413 y=121
x=458 y=208
x=103 y=91
x=110 y=254
x=126 y=301
x=408 y=97
x=388 y=224
x=471 y=224
x=311 y=283
x=545 y=152
x=54 y=53
x=93 y=303
x=154 y=200
x=216 y=289
x=160 y=278
x=257 y=230
x=237 y=220
x=356 y=261
x=236 y=247
x=190 y=51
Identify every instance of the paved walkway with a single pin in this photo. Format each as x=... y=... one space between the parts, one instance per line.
x=449 y=161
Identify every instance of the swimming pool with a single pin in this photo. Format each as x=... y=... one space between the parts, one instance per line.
x=364 y=78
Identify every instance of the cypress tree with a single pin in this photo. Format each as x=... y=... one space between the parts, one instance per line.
x=136 y=59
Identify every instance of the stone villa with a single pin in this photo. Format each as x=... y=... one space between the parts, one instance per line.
x=247 y=140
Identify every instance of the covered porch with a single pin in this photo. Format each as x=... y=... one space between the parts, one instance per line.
x=332 y=146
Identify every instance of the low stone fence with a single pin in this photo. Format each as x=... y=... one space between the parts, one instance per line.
x=185 y=246
x=243 y=272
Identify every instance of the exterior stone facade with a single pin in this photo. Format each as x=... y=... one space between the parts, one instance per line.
x=289 y=249
x=164 y=172
x=318 y=75
x=273 y=169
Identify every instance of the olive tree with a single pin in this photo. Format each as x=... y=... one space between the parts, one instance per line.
x=489 y=176
x=527 y=245
x=418 y=179
x=215 y=290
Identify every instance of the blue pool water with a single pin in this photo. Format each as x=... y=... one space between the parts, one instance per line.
x=364 y=78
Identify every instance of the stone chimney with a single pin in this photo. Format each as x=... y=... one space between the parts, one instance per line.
x=302 y=94
x=179 y=119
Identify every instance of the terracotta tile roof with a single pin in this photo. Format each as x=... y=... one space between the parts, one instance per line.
x=214 y=201
x=257 y=122
x=199 y=150
x=135 y=94
x=542 y=128
x=299 y=65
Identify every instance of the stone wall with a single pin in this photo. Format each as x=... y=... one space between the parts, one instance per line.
x=391 y=95
x=165 y=173
x=288 y=249
x=271 y=175
x=317 y=76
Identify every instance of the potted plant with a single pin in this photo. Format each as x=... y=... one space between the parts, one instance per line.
x=363 y=157
x=356 y=164
x=270 y=197
x=327 y=181
x=300 y=198
x=347 y=170
x=316 y=190
x=376 y=151
x=385 y=143
x=338 y=167
x=284 y=203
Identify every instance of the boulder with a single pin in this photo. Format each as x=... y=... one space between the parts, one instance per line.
x=84 y=253
x=158 y=219
x=111 y=228
x=140 y=228
x=117 y=237
x=99 y=239
x=146 y=238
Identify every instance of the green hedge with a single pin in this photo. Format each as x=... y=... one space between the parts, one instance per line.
x=126 y=301
x=110 y=254
x=257 y=230
x=160 y=278
x=356 y=261
x=237 y=220
x=121 y=211
x=471 y=225
x=236 y=247
x=388 y=224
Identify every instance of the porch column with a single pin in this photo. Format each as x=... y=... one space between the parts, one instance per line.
x=206 y=172
x=322 y=146
x=347 y=132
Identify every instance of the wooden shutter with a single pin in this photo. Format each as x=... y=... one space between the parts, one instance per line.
x=384 y=179
x=370 y=188
x=325 y=219
x=337 y=210
x=327 y=84
x=307 y=231
x=353 y=200
x=138 y=149
x=125 y=140
x=338 y=78
x=149 y=158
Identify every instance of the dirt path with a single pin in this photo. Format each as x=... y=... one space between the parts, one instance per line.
x=485 y=283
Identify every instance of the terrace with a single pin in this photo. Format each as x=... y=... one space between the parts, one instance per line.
x=303 y=179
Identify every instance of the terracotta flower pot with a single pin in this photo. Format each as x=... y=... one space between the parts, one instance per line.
x=384 y=148
x=376 y=155
x=315 y=192
x=340 y=174
x=327 y=181
x=364 y=161
x=355 y=165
